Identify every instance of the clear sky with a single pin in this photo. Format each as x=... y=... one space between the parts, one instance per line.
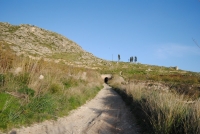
x=158 y=32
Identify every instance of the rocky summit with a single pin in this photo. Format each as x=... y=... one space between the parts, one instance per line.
x=35 y=42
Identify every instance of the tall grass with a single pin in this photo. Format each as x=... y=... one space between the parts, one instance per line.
x=163 y=112
x=25 y=97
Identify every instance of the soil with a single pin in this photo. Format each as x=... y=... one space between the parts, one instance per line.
x=105 y=114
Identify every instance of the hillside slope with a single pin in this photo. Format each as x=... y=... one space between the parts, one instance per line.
x=36 y=42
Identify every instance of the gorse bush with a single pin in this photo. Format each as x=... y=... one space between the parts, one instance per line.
x=54 y=88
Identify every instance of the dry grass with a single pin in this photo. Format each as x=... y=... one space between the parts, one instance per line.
x=163 y=112
x=36 y=90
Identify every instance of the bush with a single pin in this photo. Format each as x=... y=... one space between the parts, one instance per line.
x=54 y=88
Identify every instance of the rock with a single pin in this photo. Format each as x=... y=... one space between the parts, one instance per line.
x=109 y=76
x=41 y=77
x=17 y=70
x=33 y=41
x=120 y=73
x=84 y=76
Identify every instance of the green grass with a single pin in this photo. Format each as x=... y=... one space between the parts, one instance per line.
x=26 y=99
x=26 y=90
x=69 y=56
x=9 y=110
x=16 y=112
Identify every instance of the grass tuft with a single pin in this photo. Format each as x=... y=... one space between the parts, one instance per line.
x=162 y=112
x=26 y=97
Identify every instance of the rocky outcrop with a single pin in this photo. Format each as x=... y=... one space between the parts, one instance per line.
x=36 y=42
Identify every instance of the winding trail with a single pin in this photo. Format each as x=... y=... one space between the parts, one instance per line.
x=105 y=114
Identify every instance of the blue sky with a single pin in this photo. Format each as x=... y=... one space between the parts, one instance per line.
x=158 y=32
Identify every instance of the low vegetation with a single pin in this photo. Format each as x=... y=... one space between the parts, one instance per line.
x=180 y=81
x=36 y=90
x=160 y=112
x=157 y=110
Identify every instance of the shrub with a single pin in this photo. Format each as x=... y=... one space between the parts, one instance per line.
x=13 y=29
x=54 y=88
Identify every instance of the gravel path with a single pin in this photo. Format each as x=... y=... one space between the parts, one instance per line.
x=105 y=114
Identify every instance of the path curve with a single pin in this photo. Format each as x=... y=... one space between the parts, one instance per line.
x=105 y=114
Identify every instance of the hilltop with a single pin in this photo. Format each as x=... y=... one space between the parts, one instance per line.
x=37 y=43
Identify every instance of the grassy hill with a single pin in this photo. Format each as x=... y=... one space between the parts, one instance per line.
x=163 y=99
x=37 y=43
x=44 y=75
x=180 y=81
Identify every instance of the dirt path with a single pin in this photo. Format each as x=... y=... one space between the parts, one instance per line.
x=105 y=114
